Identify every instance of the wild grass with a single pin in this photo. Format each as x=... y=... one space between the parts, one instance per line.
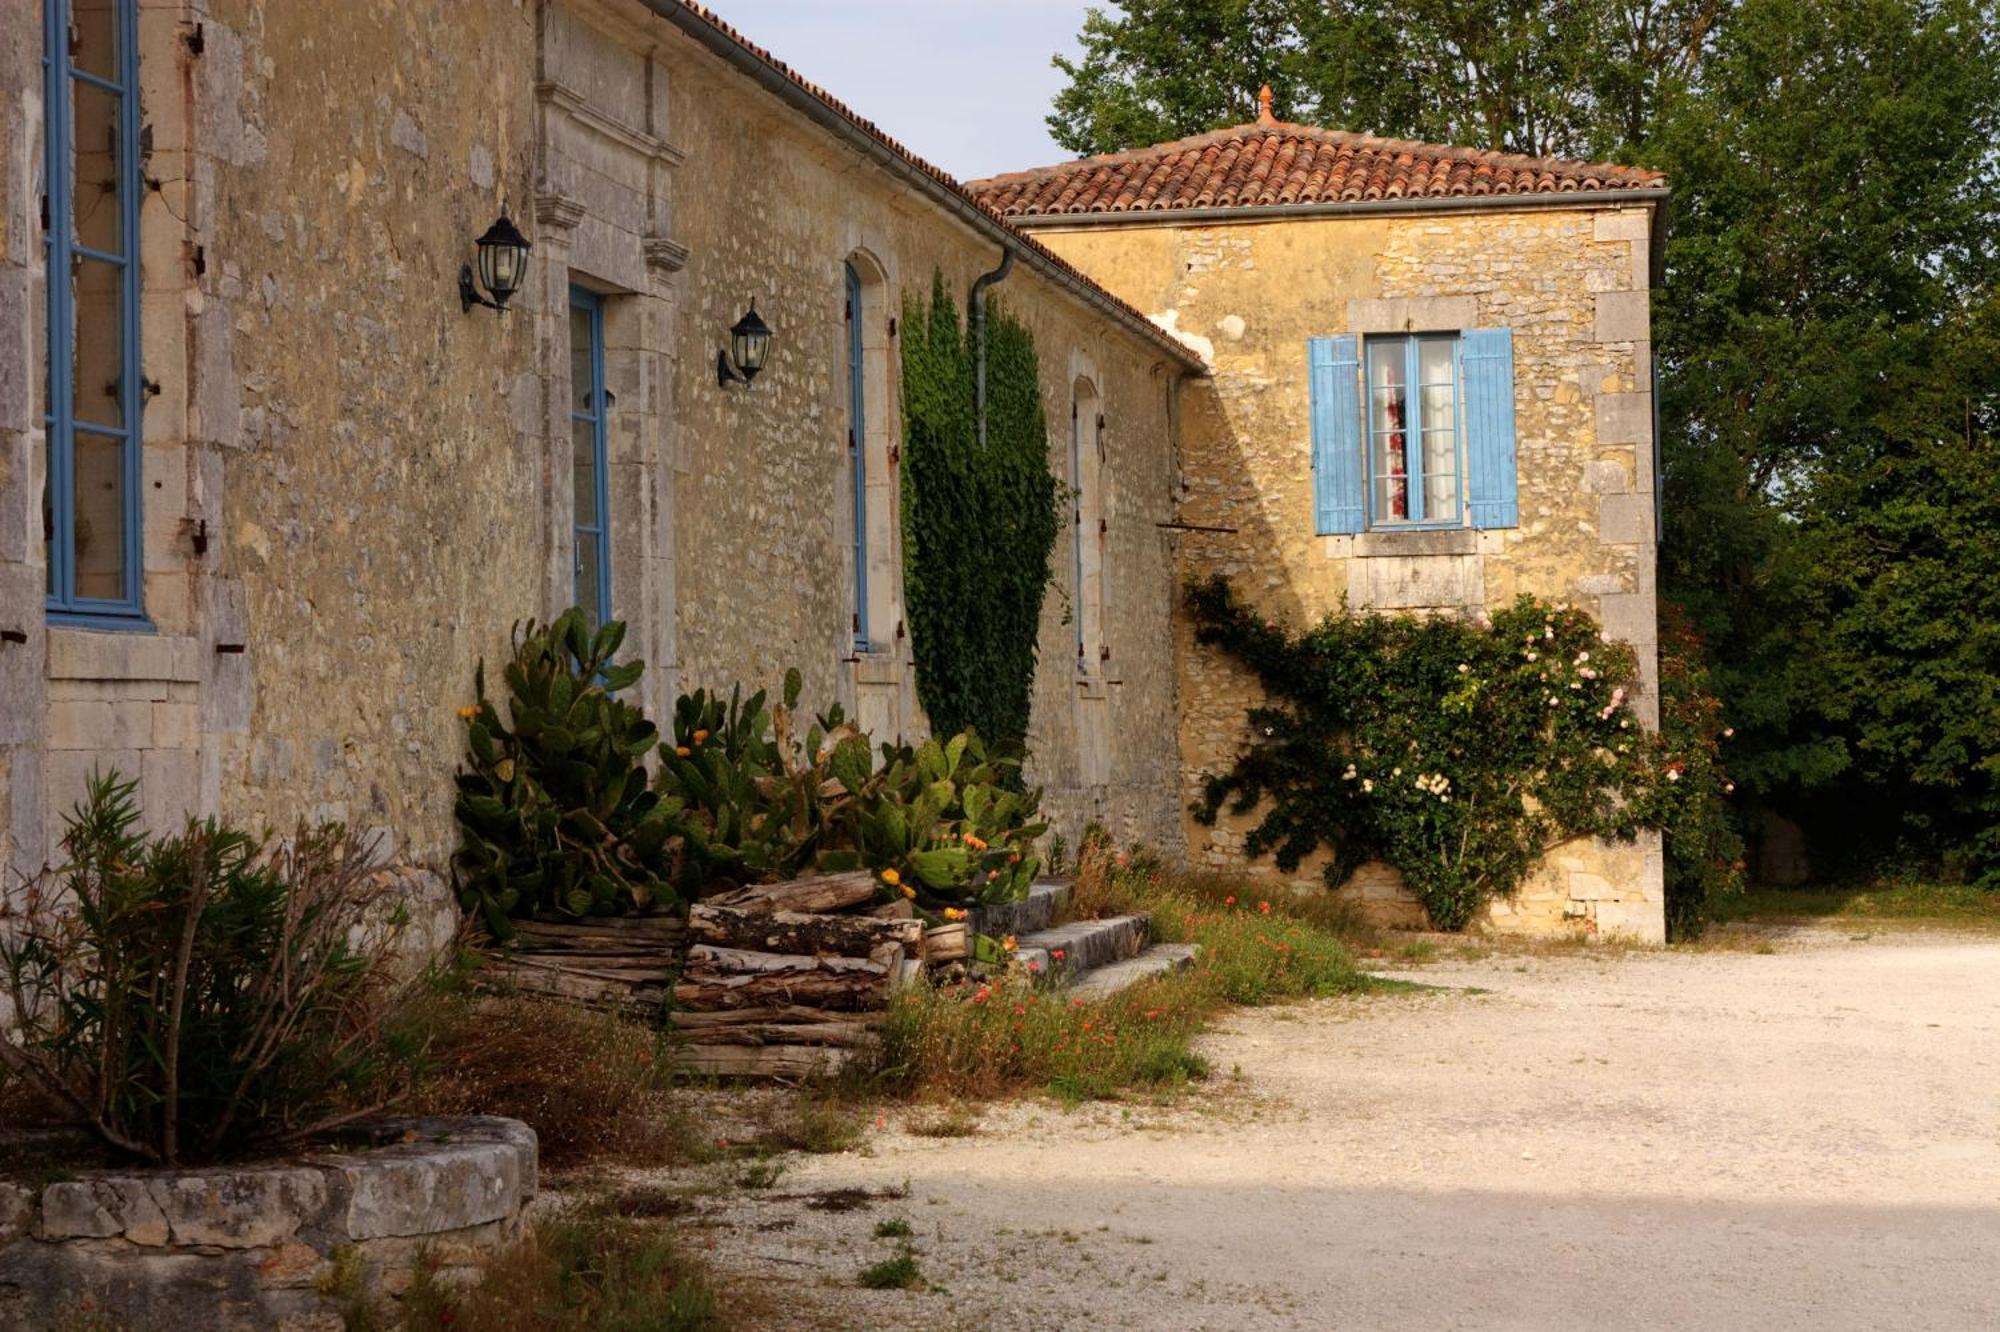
x=983 y=1040
x=592 y=1085
x=1912 y=900
x=898 y=1273
x=589 y=1268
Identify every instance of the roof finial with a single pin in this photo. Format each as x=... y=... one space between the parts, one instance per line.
x=1264 y=116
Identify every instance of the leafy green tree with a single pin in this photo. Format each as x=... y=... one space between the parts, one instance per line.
x=1572 y=77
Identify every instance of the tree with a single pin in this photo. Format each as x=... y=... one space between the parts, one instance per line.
x=1563 y=77
x=1826 y=329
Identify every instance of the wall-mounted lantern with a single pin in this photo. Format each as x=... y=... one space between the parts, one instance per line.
x=749 y=342
x=503 y=261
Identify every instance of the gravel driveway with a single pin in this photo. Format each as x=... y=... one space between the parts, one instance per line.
x=1805 y=1138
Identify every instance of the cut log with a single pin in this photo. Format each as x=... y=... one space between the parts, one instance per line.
x=797 y=932
x=765 y=1061
x=900 y=909
x=909 y=973
x=847 y=992
x=596 y=992
x=784 y=1033
x=947 y=943
x=631 y=935
x=820 y=892
x=778 y=1013
x=738 y=961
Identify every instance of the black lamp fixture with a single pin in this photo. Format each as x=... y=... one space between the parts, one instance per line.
x=749 y=342
x=503 y=261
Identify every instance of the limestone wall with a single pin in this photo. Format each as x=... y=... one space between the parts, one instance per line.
x=354 y=489
x=1572 y=284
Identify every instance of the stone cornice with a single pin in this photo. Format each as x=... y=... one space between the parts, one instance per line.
x=579 y=109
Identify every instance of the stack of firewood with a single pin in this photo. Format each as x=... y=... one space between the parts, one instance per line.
x=627 y=963
x=791 y=978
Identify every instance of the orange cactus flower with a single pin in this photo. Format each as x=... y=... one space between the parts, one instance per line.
x=682 y=750
x=1010 y=943
x=467 y=712
x=701 y=737
x=909 y=891
x=954 y=913
x=890 y=877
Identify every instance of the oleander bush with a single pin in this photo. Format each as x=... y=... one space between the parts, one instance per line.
x=206 y=994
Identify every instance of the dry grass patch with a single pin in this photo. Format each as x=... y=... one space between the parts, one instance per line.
x=592 y=1085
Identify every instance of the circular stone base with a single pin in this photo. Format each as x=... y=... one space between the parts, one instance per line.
x=285 y=1244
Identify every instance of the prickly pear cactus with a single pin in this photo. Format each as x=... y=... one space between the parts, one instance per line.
x=555 y=812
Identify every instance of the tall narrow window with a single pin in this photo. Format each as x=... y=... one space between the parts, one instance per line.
x=1087 y=530
x=91 y=385
x=588 y=455
x=1413 y=435
x=857 y=454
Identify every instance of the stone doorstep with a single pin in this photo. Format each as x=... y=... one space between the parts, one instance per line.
x=1085 y=944
x=1036 y=911
x=1158 y=960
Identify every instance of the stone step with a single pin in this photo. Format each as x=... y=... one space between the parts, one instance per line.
x=1157 y=960
x=1036 y=911
x=1083 y=944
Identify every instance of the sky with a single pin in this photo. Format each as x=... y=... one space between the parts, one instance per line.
x=963 y=84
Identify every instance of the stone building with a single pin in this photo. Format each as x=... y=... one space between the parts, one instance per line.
x=277 y=490
x=1430 y=392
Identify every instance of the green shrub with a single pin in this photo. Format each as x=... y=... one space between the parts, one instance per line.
x=947 y=822
x=753 y=802
x=1704 y=852
x=555 y=813
x=1457 y=753
x=198 y=996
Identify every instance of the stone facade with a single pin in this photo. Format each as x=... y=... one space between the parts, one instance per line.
x=1572 y=282
x=354 y=490
x=277 y=1246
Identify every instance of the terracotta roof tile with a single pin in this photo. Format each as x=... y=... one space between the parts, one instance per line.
x=1274 y=163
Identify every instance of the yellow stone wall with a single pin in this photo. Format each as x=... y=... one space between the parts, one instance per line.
x=1572 y=284
x=355 y=489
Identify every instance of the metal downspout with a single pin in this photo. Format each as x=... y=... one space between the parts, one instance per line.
x=978 y=303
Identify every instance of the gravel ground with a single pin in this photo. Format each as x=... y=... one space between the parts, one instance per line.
x=1715 y=1139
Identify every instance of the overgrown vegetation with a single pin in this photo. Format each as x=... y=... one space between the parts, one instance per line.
x=587 y=1268
x=555 y=813
x=1828 y=332
x=1704 y=852
x=559 y=816
x=982 y=1040
x=945 y=822
x=201 y=995
x=1457 y=753
x=979 y=519
x=592 y=1086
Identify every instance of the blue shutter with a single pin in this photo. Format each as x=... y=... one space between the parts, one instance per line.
x=1339 y=501
x=1487 y=359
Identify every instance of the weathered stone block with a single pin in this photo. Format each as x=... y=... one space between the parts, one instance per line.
x=1605 y=477
x=1422 y=582
x=1625 y=520
x=1625 y=418
x=82 y=654
x=1412 y=314
x=1623 y=316
x=1625 y=225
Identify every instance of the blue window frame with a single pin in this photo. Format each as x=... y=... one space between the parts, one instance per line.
x=857 y=455
x=1415 y=451
x=591 y=528
x=92 y=384
x=1076 y=523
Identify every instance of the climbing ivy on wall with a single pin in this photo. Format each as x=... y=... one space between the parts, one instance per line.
x=978 y=523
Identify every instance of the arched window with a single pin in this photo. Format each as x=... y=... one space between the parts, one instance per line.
x=1086 y=478
x=869 y=490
